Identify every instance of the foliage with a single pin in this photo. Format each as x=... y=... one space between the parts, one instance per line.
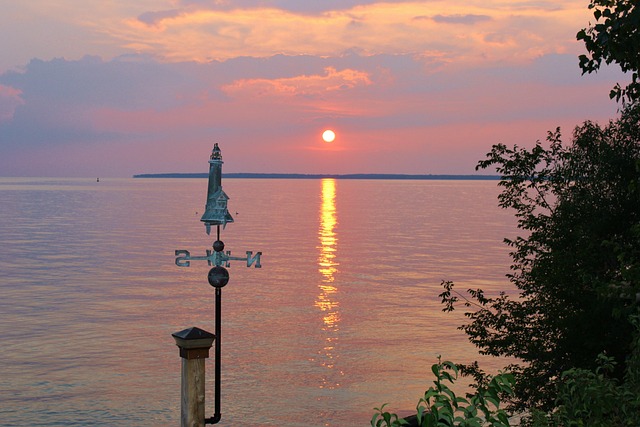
x=389 y=419
x=576 y=265
x=594 y=398
x=615 y=37
x=440 y=407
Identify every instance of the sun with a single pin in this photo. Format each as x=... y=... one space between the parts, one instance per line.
x=328 y=135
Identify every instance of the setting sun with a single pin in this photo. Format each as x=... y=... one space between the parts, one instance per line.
x=328 y=135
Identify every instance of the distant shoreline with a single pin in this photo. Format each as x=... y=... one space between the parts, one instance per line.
x=320 y=176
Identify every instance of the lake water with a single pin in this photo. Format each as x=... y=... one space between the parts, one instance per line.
x=344 y=314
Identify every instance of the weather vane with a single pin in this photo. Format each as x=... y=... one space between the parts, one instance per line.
x=216 y=213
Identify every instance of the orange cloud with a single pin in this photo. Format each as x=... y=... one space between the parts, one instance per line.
x=462 y=33
x=306 y=86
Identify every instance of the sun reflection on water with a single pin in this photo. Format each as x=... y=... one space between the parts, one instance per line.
x=327 y=300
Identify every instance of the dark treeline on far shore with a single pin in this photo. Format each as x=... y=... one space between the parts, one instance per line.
x=318 y=176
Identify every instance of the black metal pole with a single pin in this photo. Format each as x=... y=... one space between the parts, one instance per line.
x=217 y=415
x=218 y=327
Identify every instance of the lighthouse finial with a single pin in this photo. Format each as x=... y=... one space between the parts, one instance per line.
x=216 y=154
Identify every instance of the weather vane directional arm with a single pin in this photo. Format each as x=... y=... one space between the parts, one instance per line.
x=214 y=258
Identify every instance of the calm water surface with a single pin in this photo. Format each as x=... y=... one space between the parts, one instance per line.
x=343 y=315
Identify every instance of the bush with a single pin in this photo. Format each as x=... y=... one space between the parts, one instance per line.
x=440 y=407
x=594 y=397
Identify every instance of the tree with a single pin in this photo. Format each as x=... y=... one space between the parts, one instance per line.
x=577 y=265
x=615 y=37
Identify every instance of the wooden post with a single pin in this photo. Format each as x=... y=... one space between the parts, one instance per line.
x=194 y=344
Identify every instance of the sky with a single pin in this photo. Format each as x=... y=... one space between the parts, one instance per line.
x=116 y=88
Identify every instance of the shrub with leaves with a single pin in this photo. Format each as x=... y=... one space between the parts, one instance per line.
x=440 y=407
x=594 y=397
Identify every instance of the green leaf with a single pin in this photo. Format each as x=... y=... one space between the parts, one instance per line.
x=494 y=401
x=435 y=368
x=451 y=366
x=502 y=416
x=429 y=394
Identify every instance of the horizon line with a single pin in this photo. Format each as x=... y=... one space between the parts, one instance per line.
x=320 y=176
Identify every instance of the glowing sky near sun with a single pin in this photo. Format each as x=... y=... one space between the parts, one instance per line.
x=117 y=88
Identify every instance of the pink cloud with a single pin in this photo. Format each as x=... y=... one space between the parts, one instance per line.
x=10 y=99
x=144 y=116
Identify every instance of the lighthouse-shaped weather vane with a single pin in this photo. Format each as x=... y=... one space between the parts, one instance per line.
x=217 y=214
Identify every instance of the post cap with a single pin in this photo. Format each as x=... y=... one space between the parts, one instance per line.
x=193 y=337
